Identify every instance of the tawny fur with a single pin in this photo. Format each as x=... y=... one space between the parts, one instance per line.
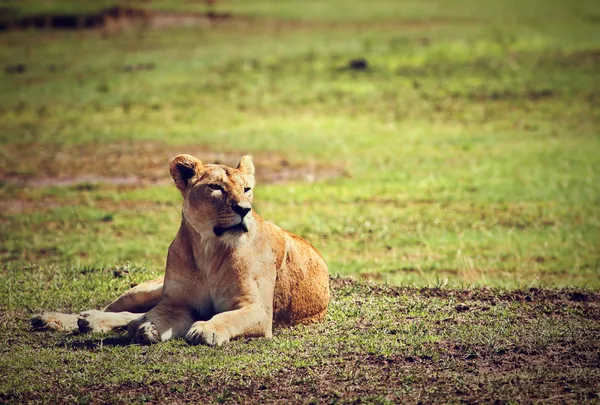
x=229 y=273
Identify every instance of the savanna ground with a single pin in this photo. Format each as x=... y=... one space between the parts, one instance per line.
x=455 y=178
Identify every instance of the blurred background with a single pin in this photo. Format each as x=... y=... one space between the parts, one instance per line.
x=426 y=142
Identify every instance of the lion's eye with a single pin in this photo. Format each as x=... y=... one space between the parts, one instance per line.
x=215 y=187
x=247 y=189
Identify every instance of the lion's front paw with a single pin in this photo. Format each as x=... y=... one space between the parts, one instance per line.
x=143 y=332
x=54 y=321
x=93 y=321
x=206 y=333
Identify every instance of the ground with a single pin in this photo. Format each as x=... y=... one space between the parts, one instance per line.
x=379 y=344
x=444 y=159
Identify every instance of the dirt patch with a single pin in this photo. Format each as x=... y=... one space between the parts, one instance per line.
x=17 y=205
x=20 y=203
x=110 y=18
x=119 y=17
x=135 y=165
x=356 y=379
x=539 y=295
x=122 y=166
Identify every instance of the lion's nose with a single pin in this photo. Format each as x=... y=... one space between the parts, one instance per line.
x=241 y=208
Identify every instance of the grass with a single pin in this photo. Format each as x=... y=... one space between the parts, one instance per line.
x=464 y=158
x=378 y=345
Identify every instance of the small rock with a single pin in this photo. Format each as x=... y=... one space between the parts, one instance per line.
x=358 y=64
x=462 y=307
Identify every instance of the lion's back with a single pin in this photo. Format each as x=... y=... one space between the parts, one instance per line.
x=302 y=285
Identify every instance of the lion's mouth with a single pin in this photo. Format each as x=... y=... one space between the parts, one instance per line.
x=242 y=226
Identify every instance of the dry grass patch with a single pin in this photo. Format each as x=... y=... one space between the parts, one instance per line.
x=135 y=164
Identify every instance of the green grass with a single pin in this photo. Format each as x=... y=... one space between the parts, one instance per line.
x=472 y=156
x=464 y=157
x=506 y=11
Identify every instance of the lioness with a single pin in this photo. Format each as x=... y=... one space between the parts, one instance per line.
x=229 y=273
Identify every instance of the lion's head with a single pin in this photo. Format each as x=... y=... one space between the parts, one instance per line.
x=217 y=198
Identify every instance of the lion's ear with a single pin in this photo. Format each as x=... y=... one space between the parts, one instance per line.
x=246 y=166
x=183 y=168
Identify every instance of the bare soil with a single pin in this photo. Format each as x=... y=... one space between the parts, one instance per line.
x=130 y=163
x=126 y=165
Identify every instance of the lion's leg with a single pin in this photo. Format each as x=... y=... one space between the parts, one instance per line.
x=165 y=321
x=100 y=321
x=251 y=320
x=125 y=309
x=55 y=321
x=137 y=300
x=140 y=298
